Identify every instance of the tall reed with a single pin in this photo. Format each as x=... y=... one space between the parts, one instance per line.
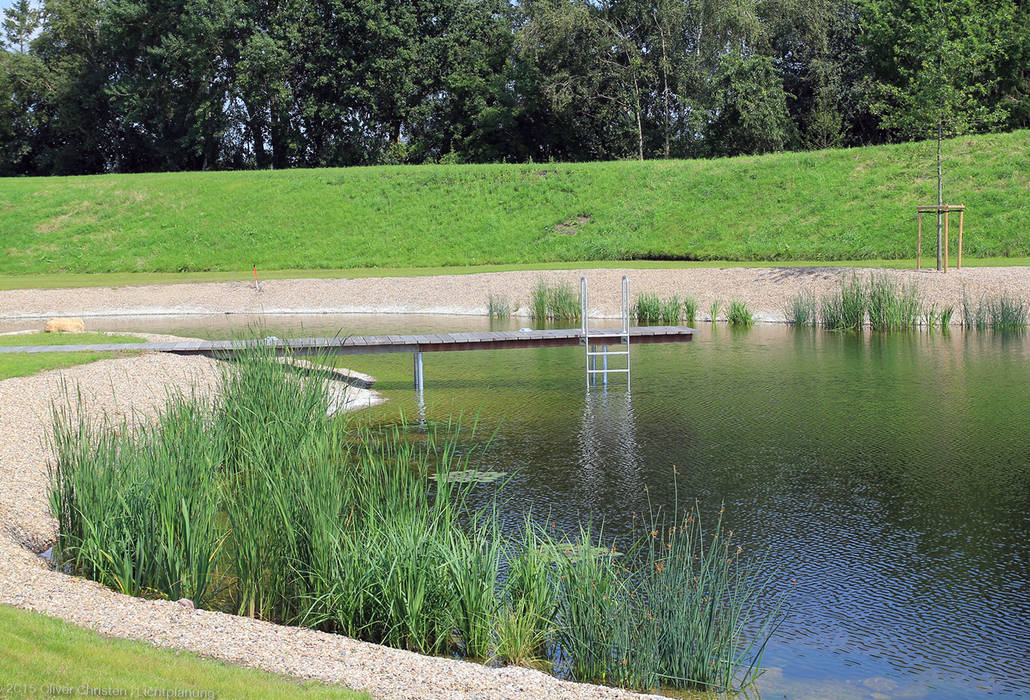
x=892 y=308
x=739 y=315
x=846 y=308
x=499 y=307
x=555 y=303
x=802 y=310
x=262 y=503
x=690 y=309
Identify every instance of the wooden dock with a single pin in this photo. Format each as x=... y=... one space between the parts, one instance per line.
x=414 y=344
x=375 y=344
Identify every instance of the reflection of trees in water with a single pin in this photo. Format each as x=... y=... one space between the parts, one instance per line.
x=609 y=459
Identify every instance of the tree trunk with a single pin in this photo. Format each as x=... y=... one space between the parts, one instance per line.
x=940 y=196
x=665 y=80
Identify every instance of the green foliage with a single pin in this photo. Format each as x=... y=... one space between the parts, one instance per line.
x=892 y=308
x=262 y=503
x=558 y=302
x=739 y=315
x=690 y=309
x=498 y=306
x=845 y=309
x=1000 y=313
x=226 y=85
x=802 y=310
x=713 y=310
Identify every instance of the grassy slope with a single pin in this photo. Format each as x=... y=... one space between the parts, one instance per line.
x=24 y=365
x=41 y=651
x=826 y=205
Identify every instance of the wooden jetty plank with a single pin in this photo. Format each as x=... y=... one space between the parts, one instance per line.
x=353 y=345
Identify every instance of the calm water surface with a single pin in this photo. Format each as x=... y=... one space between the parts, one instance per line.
x=887 y=477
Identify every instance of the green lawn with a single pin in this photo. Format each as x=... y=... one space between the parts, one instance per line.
x=38 y=653
x=847 y=204
x=24 y=365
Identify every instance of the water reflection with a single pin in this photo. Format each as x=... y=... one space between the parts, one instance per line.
x=609 y=457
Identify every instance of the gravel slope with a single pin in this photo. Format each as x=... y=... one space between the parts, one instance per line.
x=767 y=291
x=137 y=386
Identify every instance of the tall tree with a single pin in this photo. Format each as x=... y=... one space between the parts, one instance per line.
x=937 y=70
x=21 y=20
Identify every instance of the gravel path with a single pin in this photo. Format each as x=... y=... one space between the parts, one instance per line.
x=767 y=291
x=137 y=386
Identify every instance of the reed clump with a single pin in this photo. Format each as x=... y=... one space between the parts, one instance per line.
x=1003 y=313
x=892 y=308
x=651 y=310
x=262 y=503
x=802 y=310
x=500 y=307
x=558 y=302
x=739 y=314
x=690 y=310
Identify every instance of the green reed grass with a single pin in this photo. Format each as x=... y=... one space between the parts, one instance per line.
x=1002 y=313
x=802 y=310
x=538 y=301
x=844 y=309
x=498 y=306
x=651 y=310
x=713 y=310
x=739 y=315
x=690 y=310
x=261 y=503
x=554 y=303
x=892 y=307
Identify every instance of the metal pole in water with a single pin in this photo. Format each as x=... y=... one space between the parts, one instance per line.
x=419 y=383
x=605 y=358
x=583 y=323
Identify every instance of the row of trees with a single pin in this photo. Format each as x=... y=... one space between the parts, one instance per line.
x=134 y=85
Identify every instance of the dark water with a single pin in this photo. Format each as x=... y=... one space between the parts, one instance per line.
x=887 y=477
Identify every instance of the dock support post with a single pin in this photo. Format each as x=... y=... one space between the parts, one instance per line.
x=419 y=383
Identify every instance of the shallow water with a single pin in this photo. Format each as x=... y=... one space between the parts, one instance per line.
x=887 y=477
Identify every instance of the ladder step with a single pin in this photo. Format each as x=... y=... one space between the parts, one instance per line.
x=607 y=371
x=614 y=353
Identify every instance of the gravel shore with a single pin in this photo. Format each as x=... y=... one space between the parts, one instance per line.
x=137 y=386
x=766 y=290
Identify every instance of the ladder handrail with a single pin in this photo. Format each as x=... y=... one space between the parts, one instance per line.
x=591 y=363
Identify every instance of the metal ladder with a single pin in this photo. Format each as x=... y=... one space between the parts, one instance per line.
x=592 y=353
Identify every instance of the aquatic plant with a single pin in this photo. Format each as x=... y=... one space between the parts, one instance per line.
x=651 y=310
x=892 y=308
x=1003 y=313
x=802 y=310
x=647 y=309
x=739 y=315
x=261 y=503
x=554 y=303
x=845 y=308
x=713 y=310
x=499 y=307
x=690 y=309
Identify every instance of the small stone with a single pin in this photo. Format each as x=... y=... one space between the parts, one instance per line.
x=186 y=603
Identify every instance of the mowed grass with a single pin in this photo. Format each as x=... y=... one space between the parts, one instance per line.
x=39 y=655
x=849 y=204
x=12 y=365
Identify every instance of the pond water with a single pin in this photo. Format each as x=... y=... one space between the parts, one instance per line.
x=886 y=476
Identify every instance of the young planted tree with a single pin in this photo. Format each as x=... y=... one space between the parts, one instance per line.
x=937 y=61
